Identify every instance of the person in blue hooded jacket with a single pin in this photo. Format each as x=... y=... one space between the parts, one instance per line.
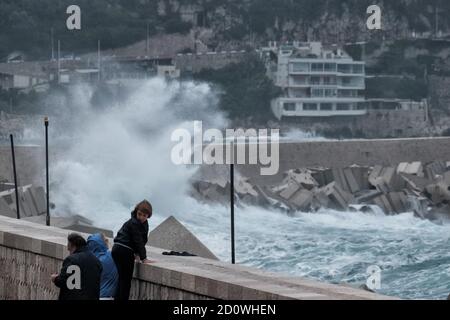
x=98 y=245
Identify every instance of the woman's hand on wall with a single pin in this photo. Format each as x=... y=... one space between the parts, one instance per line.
x=147 y=261
x=54 y=276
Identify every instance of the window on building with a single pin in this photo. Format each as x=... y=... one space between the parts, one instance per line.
x=315 y=80
x=344 y=68
x=298 y=93
x=310 y=106
x=361 y=106
x=300 y=67
x=348 y=93
x=346 y=81
x=326 y=106
x=329 y=80
x=330 y=67
x=289 y=106
x=343 y=106
x=299 y=80
x=317 y=67
x=317 y=92
x=358 y=68
x=330 y=93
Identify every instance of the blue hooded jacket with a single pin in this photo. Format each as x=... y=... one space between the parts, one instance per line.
x=110 y=277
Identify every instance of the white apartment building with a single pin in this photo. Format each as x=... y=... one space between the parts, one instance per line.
x=317 y=81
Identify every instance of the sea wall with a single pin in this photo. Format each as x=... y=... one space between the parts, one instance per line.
x=339 y=154
x=332 y=154
x=30 y=253
x=30 y=164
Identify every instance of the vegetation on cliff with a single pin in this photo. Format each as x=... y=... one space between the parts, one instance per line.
x=245 y=90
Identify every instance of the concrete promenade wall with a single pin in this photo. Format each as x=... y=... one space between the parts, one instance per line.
x=30 y=164
x=337 y=154
x=29 y=253
x=31 y=160
x=363 y=152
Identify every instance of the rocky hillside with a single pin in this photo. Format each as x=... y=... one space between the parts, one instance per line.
x=331 y=21
x=26 y=24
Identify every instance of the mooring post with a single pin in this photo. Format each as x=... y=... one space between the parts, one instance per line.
x=15 y=176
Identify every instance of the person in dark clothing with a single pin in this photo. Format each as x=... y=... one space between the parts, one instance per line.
x=79 y=278
x=129 y=245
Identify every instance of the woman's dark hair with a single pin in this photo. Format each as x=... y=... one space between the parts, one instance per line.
x=143 y=206
x=76 y=240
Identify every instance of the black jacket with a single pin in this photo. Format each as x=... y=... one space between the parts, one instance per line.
x=90 y=274
x=134 y=235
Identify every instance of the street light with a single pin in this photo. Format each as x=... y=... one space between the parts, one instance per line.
x=47 y=220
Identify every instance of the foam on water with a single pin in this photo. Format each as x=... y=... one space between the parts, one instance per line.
x=296 y=135
x=335 y=246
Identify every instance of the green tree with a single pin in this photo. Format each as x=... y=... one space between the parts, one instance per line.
x=246 y=90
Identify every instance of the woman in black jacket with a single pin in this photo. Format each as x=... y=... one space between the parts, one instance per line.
x=130 y=243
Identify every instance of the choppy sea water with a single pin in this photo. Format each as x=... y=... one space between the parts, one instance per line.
x=335 y=247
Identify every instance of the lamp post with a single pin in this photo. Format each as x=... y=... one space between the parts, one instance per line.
x=232 y=203
x=47 y=220
x=15 y=176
